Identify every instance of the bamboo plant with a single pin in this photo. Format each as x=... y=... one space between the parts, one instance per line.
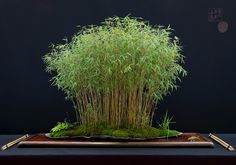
x=115 y=73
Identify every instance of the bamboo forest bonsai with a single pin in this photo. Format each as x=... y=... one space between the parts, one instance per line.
x=115 y=74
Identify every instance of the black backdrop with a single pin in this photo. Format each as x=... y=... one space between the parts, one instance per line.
x=28 y=104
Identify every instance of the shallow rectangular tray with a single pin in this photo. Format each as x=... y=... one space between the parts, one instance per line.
x=40 y=140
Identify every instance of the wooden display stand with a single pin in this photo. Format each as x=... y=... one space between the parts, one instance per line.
x=184 y=140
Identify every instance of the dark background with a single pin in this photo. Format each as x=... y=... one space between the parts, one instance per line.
x=205 y=102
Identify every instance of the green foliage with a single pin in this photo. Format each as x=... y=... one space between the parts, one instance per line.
x=62 y=126
x=114 y=73
x=128 y=47
x=166 y=121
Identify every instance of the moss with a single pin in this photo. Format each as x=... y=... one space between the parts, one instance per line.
x=84 y=130
x=108 y=131
x=120 y=133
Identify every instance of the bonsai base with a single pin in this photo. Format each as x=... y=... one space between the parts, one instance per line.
x=184 y=140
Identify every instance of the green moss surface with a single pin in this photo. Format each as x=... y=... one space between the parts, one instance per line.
x=84 y=130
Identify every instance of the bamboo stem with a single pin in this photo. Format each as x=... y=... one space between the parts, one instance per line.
x=118 y=108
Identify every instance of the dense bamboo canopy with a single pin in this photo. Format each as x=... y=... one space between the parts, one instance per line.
x=114 y=73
